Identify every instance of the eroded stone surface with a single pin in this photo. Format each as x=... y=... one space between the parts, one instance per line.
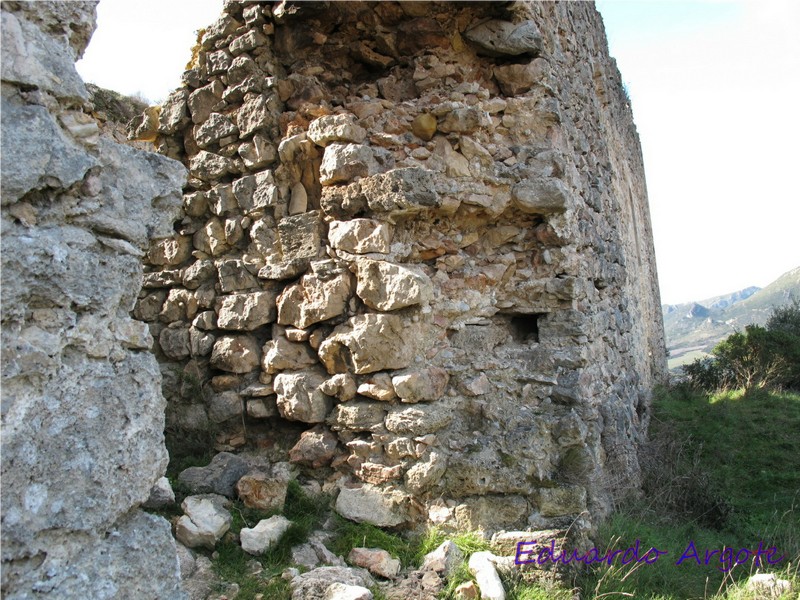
x=83 y=416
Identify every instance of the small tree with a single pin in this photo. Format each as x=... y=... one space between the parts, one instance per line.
x=756 y=358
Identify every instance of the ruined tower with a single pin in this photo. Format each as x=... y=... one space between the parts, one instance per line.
x=415 y=257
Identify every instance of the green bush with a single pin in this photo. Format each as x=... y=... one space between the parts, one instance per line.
x=758 y=357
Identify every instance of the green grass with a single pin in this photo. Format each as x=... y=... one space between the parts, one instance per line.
x=725 y=473
x=721 y=471
x=231 y=562
x=348 y=535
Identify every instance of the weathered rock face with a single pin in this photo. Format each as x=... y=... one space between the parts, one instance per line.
x=446 y=202
x=82 y=412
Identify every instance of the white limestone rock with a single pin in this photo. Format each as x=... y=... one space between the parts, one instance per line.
x=481 y=565
x=236 y=354
x=343 y=591
x=360 y=236
x=299 y=396
x=444 y=560
x=314 y=585
x=336 y=128
x=423 y=385
x=425 y=473
x=386 y=286
x=281 y=354
x=314 y=299
x=504 y=38
x=161 y=494
x=204 y=522
x=264 y=535
x=342 y=163
x=376 y=342
x=246 y=312
x=379 y=506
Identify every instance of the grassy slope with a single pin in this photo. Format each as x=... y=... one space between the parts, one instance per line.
x=732 y=480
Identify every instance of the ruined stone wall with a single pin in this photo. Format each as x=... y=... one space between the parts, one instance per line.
x=82 y=411
x=415 y=257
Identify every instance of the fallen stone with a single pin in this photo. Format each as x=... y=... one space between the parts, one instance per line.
x=768 y=585
x=204 y=522
x=467 y=591
x=264 y=535
x=343 y=591
x=314 y=584
x=261 y=491
x=481 y=565
x=382 y=507
x=375 y=560
x=444 y=560
x=218 y=477
x=161 y=495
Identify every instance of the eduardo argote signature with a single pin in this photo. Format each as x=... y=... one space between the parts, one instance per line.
x=728 y=558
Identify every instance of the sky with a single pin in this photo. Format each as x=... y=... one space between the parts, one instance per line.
x=713 y=86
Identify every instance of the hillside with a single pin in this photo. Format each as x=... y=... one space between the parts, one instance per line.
x=694 y=328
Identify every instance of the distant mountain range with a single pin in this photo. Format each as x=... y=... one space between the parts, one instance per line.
x=693 y=329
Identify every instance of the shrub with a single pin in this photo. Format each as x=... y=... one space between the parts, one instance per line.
x=759 y=357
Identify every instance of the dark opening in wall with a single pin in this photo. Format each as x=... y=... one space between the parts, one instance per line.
x=525 y=328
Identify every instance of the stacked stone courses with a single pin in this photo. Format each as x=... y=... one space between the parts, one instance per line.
x=414 y=258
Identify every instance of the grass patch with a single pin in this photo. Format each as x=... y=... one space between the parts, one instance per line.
x=348 y=535
x=722 y=471
x=233 y=564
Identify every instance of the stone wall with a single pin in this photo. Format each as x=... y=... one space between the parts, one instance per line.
x=415 y=257
x=82 y=412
